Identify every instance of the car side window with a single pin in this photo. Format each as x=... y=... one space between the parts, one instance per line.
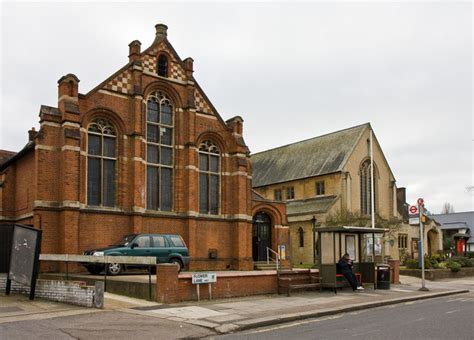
x=143 y=242
x=177 y=241
x=158 y=241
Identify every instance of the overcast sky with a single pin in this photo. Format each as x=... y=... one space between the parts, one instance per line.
x=292 y=71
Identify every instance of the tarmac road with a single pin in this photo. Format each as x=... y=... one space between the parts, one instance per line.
x=450 y=317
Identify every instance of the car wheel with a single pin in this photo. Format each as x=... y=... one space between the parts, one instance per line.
x=114 y=268
x=94 y=271
x=178 y=263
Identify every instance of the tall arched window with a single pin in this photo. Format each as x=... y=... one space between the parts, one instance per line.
x=159 y=152
x=162 y=65
x=101 y=163
x=365 y=189
x=301 y=236
x=209 y=178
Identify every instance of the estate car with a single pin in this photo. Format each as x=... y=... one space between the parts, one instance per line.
x=167 y=248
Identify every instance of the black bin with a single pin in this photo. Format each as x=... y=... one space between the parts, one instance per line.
x=383 y=278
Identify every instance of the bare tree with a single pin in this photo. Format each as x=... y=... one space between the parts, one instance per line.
x=448 y=208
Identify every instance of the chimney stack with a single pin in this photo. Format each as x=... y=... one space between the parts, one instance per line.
x=31 y=134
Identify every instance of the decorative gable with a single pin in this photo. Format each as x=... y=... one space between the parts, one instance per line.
x=150 y=61
x=121 y=83
x=201 y=103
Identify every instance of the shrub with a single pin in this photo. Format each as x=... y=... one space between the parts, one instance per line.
x=442 y=265
x=412 y=264
x=463 y=261
x=454 y=266
x=438 y=257
x=470 y=254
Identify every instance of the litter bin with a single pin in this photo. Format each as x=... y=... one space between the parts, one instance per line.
x=383 y=277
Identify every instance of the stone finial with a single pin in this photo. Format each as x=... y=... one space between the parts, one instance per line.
x=161 y=31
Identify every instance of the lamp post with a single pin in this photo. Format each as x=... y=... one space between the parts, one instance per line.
x=313 y=221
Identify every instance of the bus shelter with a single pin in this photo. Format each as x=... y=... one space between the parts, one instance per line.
x=363 y=244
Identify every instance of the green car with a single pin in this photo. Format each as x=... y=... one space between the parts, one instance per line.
x=167 y=248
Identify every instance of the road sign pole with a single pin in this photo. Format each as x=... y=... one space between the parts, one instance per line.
x=420 y=213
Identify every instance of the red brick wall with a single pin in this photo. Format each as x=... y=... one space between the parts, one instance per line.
x=171 y=287
x=59 y=163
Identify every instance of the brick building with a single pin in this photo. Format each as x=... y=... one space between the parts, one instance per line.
x=144 y=151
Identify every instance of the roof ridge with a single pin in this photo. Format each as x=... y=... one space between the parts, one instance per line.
x=312 y=138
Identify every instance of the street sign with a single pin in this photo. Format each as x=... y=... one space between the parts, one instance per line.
x=413 y=210
x=199 y=278
x=414 y=221
x=420 y=201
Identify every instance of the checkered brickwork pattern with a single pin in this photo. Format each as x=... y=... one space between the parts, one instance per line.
x=122 y=83
x=177 y=72
x=149 y=63
x=201 y=104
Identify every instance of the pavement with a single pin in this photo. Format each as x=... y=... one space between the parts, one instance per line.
x=232 y=315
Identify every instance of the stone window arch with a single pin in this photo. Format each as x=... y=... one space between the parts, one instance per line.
x=162 y=66
x=101 y=163
x=365 y=188
x=159 y=152
x=301 y=236
x=209 y=178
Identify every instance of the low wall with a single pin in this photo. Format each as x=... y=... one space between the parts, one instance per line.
x=73 y=292
x=438 y=274
x=171 y=288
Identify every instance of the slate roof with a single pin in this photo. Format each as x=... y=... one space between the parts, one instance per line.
x=313 y=157
x=457 y=221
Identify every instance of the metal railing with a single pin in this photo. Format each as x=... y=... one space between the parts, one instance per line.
x=270 y=258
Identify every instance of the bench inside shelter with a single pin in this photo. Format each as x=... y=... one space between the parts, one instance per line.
x=360 y=242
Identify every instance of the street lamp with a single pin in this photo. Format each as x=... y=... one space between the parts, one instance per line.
x=313 y=221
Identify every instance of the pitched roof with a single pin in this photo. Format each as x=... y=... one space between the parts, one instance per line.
x=313 y=157
x=314 y=205
x=459 y=220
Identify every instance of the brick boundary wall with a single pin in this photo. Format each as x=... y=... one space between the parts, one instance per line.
x=172 y=287
x=72 y=292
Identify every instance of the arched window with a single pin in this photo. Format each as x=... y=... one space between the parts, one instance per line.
x=365 y=189
x=159 y=152
x=209 y=178
x=301 y=236
x=162 y=65
x=101 y=163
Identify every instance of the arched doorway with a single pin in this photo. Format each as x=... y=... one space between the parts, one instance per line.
x=261 y=236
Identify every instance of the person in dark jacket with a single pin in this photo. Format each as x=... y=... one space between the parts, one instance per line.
x=345 y=268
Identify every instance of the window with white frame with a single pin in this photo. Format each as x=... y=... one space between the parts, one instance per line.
x=101 y=163
x=159 y=152
x=209 y=178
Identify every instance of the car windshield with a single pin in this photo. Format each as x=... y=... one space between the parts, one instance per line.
x=125 y=240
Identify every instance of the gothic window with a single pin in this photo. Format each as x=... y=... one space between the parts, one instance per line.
x=101 y=163
x=365 y=189
x=163 y=65
x=209 y=178
x=159 y=152
x=301 y=236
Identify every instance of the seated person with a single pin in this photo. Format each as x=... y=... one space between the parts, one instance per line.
x=345 y=268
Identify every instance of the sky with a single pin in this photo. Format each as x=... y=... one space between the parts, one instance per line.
x=291 y=70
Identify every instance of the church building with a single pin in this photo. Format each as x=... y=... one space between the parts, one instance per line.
x=145 y=151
